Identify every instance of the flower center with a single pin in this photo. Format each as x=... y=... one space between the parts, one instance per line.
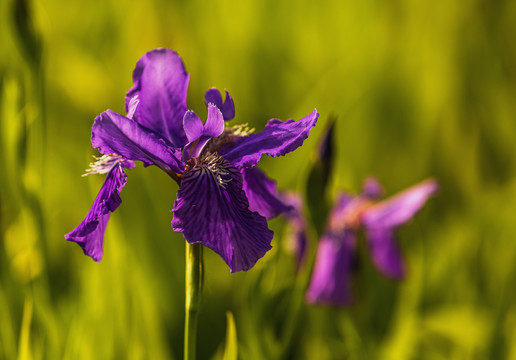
x=351 y=217
x=212 y=164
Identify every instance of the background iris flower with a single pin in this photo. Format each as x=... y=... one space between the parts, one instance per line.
x=337 y=249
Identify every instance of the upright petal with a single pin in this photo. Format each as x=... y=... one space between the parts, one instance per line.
x=114 y=133
x=261 y=193
x=227 y=108
x=90 y=232
x=277 y=139
x=212 y=209
x=372 y=189
x=192 y=125
x=195 y=129
x=161 y=83
x=198 y=133
x=214 y=122
x=385 y=252
x=400 y=208
x=334 y=264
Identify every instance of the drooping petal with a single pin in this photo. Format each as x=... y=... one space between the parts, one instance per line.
x=277 y=139
x=114 y=133
x=334 y=264
x=161 y=83
x=385 y=252
x=90 y=232
x=261 y=193
x=227 y=108
x=400 y=208
x=212 y=209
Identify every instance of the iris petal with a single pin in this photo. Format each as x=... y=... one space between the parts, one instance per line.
x=161 y=83
x=385 y=252
x=192 y=125
x=214 y=123
x=198 y=133
x=114 y=133
x=345 y=203
x=212 y=209
x=261 y=193
x=371 y=188
x=227 y=108
x=331 y=279
x=90 y=232
x=382 y=219
x=400 y=208
x=277 y=139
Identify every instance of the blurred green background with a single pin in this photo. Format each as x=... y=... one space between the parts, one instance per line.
x=420 y=88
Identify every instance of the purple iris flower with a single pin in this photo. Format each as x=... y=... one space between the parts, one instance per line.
x=223 y=201
x=336 y=253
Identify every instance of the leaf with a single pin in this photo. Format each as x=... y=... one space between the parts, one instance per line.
x=231 y=348
x=319 y=176
x=24 y=348
x=28 y=37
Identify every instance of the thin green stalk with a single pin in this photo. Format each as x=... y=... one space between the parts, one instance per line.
x=294 y=312
x=193 y=289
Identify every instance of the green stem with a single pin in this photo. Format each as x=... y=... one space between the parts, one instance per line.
x=293 y=315
x=193 y=289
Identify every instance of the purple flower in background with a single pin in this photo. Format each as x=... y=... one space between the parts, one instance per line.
x=336 y=253
x=223 y=201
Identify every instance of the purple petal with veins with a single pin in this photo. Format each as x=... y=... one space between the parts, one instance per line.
x=161 y=83
x=90 y=232
x=212 y=209
x=193 y=126
x=198 y=133
x=262 y=195
x=227 y=108
x=114 y=133
x=277 y=139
